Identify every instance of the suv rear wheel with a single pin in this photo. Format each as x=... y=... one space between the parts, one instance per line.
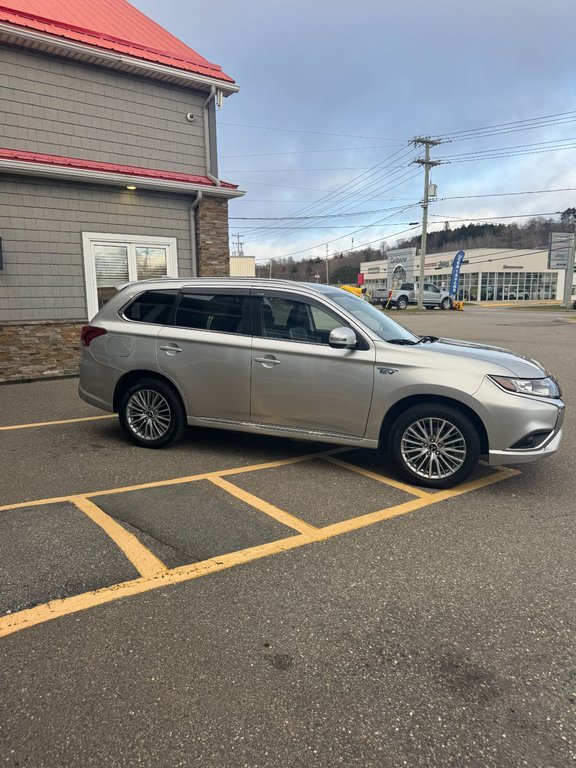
x=401 y=302
x=434 y=445
x=152 y=414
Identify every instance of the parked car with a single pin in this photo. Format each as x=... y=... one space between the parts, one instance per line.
x=432 y=296
x=316 y=363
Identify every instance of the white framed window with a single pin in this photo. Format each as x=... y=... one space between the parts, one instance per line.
x=113 y=259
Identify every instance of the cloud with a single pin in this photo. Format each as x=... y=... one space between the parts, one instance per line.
x=334 y=71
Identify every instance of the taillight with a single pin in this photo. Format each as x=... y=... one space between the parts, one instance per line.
x=389 y=294
x=89 y=333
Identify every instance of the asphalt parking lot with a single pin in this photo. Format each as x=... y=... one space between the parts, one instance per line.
x=246 y=601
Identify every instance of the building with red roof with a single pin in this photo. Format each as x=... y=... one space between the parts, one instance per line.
x=108 y=169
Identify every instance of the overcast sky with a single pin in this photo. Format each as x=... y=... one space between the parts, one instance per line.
x=331 y=90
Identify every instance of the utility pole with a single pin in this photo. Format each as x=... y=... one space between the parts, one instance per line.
x=427 y=163
x=327 y=272
x=239 y=246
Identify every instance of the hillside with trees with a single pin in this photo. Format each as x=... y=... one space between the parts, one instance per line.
x=344 y=267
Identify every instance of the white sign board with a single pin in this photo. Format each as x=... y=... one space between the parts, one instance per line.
x=559 y=250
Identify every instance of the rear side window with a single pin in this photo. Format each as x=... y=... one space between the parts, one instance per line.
x=151 y=307
x=211 y=312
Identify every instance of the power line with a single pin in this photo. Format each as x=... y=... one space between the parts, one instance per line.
x=308 y=151
x=295 y=170
x=505 y=194
x=526 y=124
x=328 y=202
x=358 y=247
x=315 y=133
x=490 y=218
x=335 y=239
x=295 y=228
x=506 y=152
x=317 y=216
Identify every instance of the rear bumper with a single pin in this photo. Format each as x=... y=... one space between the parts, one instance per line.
x=91 y=399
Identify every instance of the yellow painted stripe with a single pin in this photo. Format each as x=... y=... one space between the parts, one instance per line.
x=362 y=521
x=57 y=608
x=147 y=564
x=411 y=489
x=163 y=483
x=52 y=423
x=263 y=506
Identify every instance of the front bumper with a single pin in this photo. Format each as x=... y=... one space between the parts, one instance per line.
x=496 y=458
x=524 y=456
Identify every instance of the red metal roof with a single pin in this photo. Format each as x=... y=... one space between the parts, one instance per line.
x=113 y=25
x=121 y=170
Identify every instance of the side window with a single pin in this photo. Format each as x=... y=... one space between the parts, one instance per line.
x=211 y=312
x=151 y=307
x=431 y=287
x=293 y=320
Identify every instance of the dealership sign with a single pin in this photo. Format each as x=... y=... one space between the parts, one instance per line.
x=559 y=250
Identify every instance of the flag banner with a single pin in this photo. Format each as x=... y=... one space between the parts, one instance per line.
x=455 y=279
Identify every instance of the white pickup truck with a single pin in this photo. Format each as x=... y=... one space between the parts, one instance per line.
x=408 y=294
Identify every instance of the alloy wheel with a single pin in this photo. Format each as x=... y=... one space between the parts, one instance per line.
x=433 y=448
x=148 y=414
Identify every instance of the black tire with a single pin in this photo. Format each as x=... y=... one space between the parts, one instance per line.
x=151 y=414
x=402 y=302
x=418 y=450
x=446 y=303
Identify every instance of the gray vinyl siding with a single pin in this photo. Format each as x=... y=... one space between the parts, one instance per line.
x=60 y=107
x=41 y=226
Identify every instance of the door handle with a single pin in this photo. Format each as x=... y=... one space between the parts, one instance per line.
x=267 y=361
x=171 y=349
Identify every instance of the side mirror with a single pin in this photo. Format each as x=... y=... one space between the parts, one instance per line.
x=342 y=338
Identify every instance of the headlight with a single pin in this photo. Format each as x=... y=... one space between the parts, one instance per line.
x=538 y=387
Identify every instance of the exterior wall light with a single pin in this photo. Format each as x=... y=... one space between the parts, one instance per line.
x=130 y=186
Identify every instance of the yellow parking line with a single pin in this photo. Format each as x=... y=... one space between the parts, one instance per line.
x=67 y=605
x=263 y=506
x=413 y=490
x=147 y=564
x=57 y=608
x=354 y=523
x=164 y=483
x=52 y=423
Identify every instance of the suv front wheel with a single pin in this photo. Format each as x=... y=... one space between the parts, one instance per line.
x=434 y=445
x=152 y=414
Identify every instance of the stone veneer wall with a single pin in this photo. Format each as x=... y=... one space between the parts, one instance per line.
x=213 y=251
x=39 y=350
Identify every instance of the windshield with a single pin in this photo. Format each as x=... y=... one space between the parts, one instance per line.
x=373 y=318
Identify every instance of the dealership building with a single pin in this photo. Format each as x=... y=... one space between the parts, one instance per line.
x=487 y=274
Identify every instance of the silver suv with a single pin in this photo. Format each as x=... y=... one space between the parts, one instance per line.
x=312 y=362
